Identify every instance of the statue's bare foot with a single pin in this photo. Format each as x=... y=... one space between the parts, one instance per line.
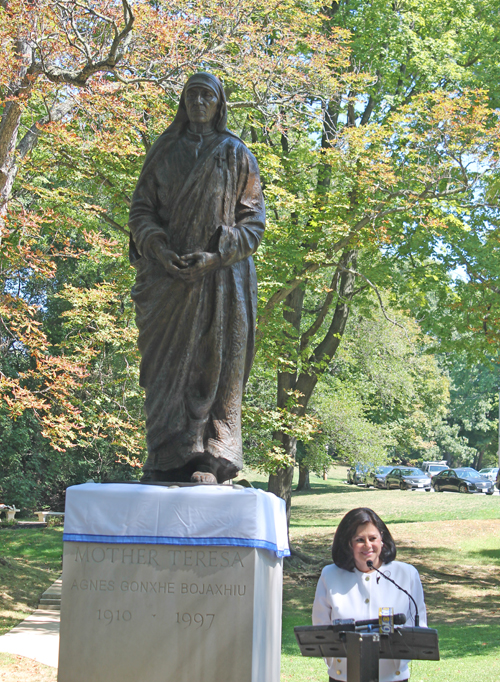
x=203 y=477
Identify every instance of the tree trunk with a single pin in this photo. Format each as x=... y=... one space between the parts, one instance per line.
x=478 y=461
x=325 y=351
x=304 y=483
x=280 y=484
x=9 y=124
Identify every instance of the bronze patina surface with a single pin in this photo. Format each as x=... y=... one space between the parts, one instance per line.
x=197 y=216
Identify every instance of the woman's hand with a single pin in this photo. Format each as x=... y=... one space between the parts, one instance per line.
x=196 y=265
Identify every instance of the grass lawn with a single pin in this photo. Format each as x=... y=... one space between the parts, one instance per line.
x=20 y=669
x=30 y=561
x=453 y=540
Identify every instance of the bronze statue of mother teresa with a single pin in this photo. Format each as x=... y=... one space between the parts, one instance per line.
x=197 y=216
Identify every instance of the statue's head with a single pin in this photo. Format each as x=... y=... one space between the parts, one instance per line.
x=202 y=100
x=202 y=96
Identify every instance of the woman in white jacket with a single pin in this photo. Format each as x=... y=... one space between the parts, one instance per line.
x=349 y=588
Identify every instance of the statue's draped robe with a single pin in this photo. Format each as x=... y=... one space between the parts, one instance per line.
x=196 y=339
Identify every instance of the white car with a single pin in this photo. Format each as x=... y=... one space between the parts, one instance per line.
x=490 y=473
x=433 y=468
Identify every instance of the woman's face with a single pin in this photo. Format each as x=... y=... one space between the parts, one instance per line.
x=366 y=546
x=201 y=104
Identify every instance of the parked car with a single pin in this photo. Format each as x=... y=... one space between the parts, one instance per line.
x=357 y=473
x=376 y=477
x=470 y=469
x=407 y=478
x=498 y=480
x=461 y=480
x=490 y=473
x=433 y=468
x=482 y=484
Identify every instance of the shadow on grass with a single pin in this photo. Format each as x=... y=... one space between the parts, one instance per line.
x=261 y=485
x=9 y=622
x=30 y=561
x=455 y=593
x=298 y=597
x=322 y=517
x=322 y=488
x=319 y=516
x=477 y=639
x=42 y=545
x=493 y=554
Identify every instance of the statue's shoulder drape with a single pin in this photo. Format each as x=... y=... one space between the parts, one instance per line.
x=196 y=339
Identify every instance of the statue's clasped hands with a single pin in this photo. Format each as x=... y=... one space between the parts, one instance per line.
x=190 y=267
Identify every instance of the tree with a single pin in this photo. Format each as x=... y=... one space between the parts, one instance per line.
x=474 y=407
x=398 y=160
x=409 y=176
x=61 y=44
x=383 y=398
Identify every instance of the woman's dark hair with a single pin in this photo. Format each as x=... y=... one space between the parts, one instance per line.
x=342 y=554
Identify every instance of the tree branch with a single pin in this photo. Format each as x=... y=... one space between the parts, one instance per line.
x=116 y=50
x=111 y=222
x=56 y=113
x=322 y=313
x=375 y=289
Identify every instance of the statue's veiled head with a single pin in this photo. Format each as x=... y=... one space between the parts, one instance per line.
x=202 y=97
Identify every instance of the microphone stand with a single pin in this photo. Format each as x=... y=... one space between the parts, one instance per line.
x=369 y=563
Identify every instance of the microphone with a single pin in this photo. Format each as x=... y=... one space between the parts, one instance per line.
x=399 y=619
x=349 y=624
x=369 y=563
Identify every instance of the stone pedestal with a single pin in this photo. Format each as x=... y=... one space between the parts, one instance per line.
x=146 y=612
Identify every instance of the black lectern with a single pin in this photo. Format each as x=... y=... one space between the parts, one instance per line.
x=364 y=649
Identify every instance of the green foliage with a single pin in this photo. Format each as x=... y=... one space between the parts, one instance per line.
x=34 y=476
x=378 y=142
x=261 y=420
x=348 y=434
x=474 y=407
x=415 y=46
x=385 y=397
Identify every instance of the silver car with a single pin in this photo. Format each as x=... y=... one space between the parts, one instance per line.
x=490 y=473
x=407 y=478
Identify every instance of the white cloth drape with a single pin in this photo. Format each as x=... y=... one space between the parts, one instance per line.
x=197 y=515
